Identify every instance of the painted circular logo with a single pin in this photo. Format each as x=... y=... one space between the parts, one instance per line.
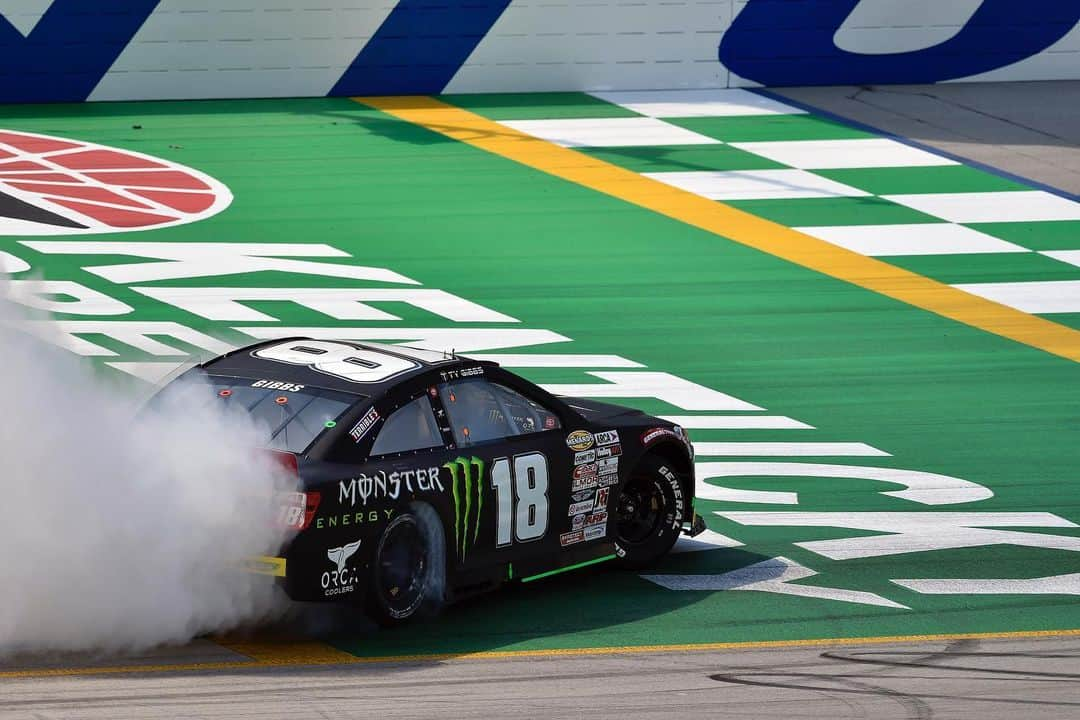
x=58 y=186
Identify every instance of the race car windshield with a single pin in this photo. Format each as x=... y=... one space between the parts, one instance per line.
x=289 y=416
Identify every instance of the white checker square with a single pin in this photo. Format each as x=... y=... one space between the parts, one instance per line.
x=757 y=184
x=1047 y=296
x=697 y=103
x=838 y=154
x=610 y=132
x=1018 y=206
x=912 y=239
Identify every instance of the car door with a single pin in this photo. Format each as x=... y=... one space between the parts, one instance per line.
x=508 y=476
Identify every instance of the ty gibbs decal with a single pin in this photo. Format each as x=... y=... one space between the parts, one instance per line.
x=383 y=485
x=277 y=385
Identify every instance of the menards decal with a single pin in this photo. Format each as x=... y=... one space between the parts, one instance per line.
x=925 y=517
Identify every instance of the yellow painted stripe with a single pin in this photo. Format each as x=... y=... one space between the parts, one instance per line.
x=284 y=654
x=737 y=225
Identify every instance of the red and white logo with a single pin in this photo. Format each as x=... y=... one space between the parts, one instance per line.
x=57 y=186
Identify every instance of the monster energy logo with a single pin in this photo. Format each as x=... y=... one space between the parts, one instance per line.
x=466 y=483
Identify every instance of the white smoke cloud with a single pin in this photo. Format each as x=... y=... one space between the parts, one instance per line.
x=120 y=532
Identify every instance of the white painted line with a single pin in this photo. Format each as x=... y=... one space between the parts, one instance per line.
x=1020 y=206
x=554 y=360
x=757 y=184
x=610 y=132
x=786 y=449
x=1068 y=584
x=698 y=103
x=707 y=540
x=835 y=154
x=1037 y=297
x=912 y=239
x=1066 y=256
x=737 y=422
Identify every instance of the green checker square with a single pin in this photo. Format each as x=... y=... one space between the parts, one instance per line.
x=758 y=128
x=833 y=211
x=1049 y=235
x=682 y=158
x=934 y=179
x=1070 y=319
x=987 y=267
x=538 y=106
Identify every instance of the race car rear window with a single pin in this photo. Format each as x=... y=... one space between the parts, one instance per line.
x=289 y=416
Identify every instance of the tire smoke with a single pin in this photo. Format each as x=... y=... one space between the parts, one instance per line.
x=123 y=528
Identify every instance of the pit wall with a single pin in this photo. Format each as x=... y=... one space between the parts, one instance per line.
x=73 y=50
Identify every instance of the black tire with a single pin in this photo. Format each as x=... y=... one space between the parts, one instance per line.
x=408 y=570
x=649 y=514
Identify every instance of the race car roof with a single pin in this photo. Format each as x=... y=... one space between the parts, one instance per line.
x=364 y=369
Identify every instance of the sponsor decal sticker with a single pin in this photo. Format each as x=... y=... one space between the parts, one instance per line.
x=571 y=538
x=577 y=522
x=581 y=495
x=650 y=436
x=579 y=440
x=587 y=456
x=360 y=429
x=608 y=437
x=609 y=451
x=467 y=476
x=342 y=579
x=580 y=507
x=60 y=186
x=594 y=532
x=383 y=485
x=550 y=422
x=601 y=498
x=608 y=480
x=586 y=483
x=297 y=509
x=607 y=466
x=596 y=518
x=584 y=470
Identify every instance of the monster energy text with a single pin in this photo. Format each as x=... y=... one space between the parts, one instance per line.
x=467 y=475
x=388 y=485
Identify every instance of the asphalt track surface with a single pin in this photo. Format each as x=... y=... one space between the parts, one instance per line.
x=1028 y=129
x=964 y=678
x=1031 y=675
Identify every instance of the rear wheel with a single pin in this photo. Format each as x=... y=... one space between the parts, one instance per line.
x=649 y=514
x=409 y=568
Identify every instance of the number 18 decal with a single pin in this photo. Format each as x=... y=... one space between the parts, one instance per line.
x=521 y=496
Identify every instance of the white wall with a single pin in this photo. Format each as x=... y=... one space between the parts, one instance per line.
x=279 y=48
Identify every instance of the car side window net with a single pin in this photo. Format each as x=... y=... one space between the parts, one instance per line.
x=410 y=427
x=480 y=411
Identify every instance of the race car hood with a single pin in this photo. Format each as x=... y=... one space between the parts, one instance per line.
x=594 y=410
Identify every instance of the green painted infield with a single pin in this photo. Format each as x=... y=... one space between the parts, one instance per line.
x=938 y=396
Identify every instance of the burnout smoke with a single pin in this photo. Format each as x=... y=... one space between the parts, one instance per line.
x=123 y=528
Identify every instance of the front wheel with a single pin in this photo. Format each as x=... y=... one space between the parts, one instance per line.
x=649 y=514
x=408 y=571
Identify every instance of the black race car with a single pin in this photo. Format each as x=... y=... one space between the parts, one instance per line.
x=426 y=477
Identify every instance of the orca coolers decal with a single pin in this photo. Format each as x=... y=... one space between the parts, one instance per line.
x=58 y=186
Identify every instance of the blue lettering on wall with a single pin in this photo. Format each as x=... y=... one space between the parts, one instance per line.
x=419 y=47
x=790 y=42
x=69 y=51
